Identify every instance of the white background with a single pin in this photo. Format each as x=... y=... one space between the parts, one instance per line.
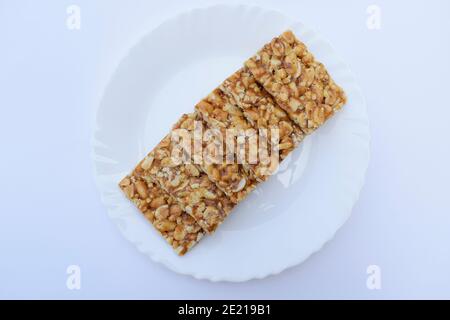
x=51 y=80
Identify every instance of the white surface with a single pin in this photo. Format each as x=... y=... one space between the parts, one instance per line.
x=282 y=222
x=51 y=213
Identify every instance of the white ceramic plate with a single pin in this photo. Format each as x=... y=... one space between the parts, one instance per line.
x=287 y=218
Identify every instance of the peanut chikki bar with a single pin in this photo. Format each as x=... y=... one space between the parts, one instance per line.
x=220 y=114
x=177 y=227
x=282 y=87
x=299 y=84
x=189 y=186
x=222 y=110
x=261 y=111
x=230 y=176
